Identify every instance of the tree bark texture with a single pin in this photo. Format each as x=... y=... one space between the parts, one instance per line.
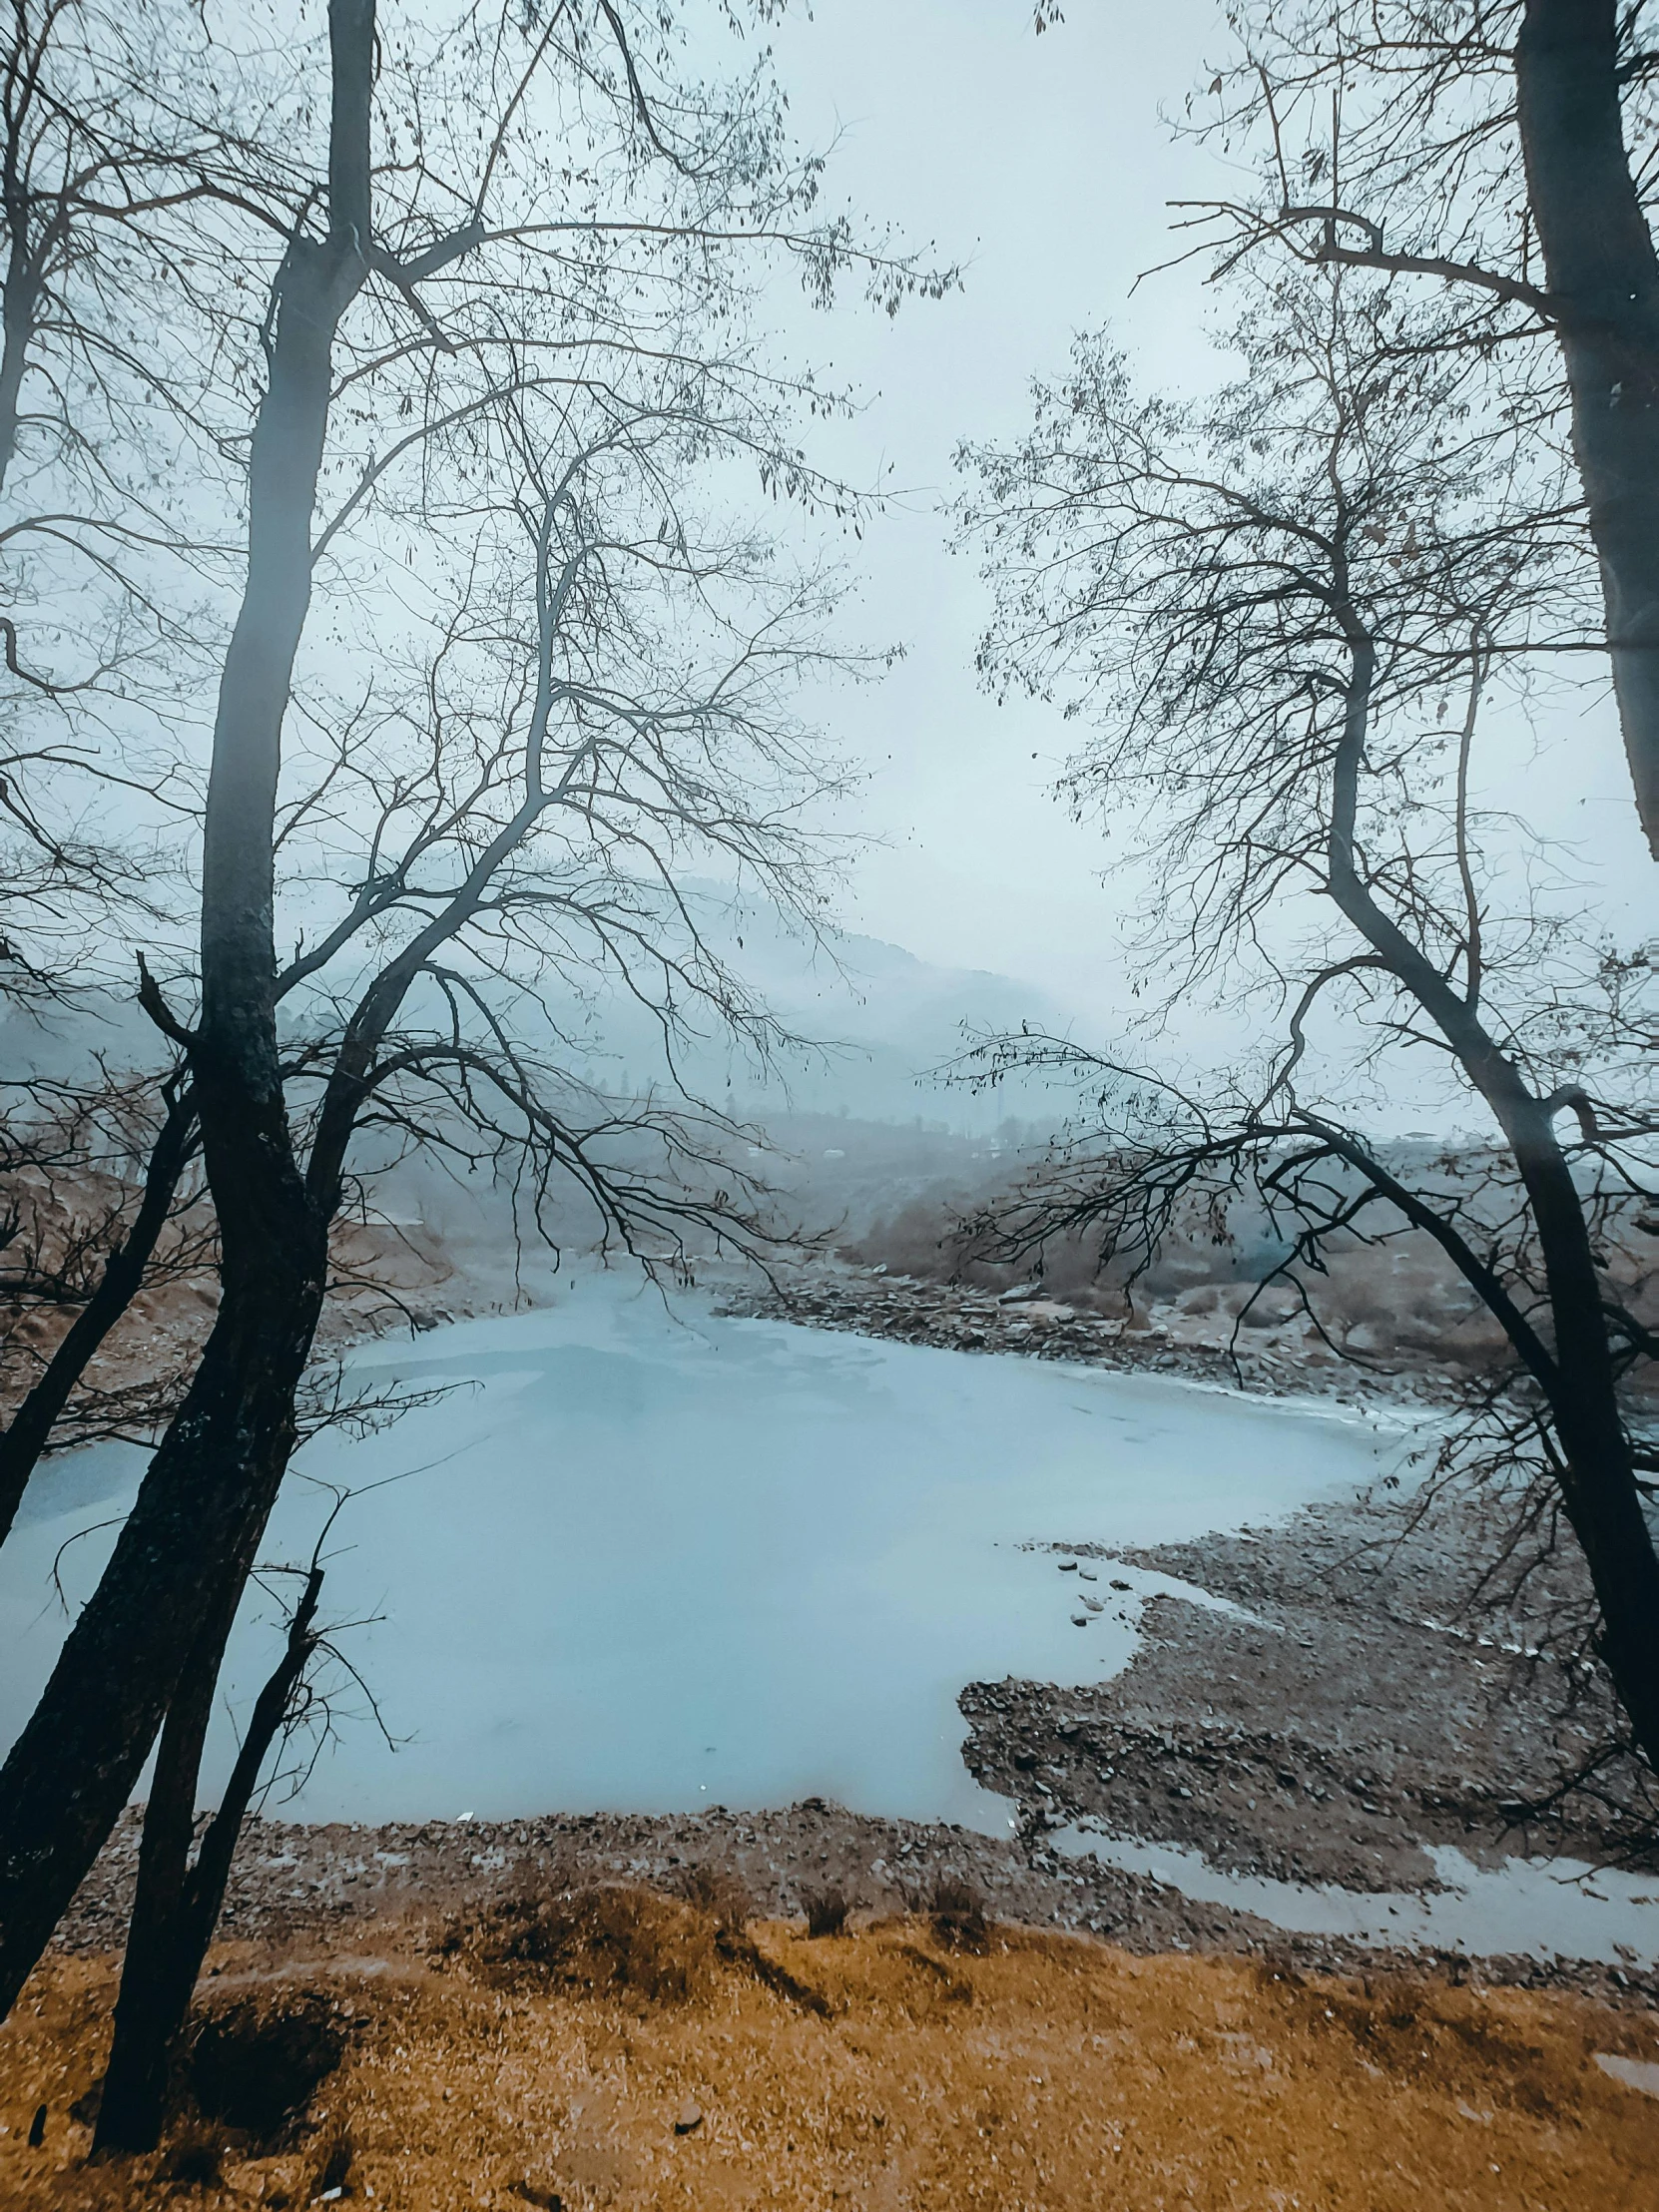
x=190 y=1542
x=155 y=1992
x=1603 y=278
x=176 y=1907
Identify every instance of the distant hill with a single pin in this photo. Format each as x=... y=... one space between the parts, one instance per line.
x=880 y=1023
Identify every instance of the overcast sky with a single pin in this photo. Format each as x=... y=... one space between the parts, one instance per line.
x=1044 y=165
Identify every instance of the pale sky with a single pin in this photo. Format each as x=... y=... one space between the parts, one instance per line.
x=1043 y=164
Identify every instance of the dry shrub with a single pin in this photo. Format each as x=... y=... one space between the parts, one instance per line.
x=825 y=1911
x=958 y=1914
x=611 y=1938
x=718 y=1893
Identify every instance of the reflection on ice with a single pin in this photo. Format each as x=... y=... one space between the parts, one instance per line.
x=657 y=1560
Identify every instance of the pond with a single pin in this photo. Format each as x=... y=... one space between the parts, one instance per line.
x=647 y=1558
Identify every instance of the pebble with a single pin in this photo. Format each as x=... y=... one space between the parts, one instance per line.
x=689 y=2116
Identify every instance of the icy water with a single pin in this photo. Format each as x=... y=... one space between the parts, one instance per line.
x=651 y=1560
x=1557 y=1907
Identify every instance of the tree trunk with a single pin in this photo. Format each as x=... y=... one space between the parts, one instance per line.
x=177 y=1907
x=190 y=1542
x=25 y=1439
x=188 y=1546
x=21 y=296
x=155 y=1982
x=1598 y=1488
x=1602 y=270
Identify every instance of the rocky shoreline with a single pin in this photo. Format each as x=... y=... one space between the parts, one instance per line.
x=293 y=1883
x=1277 y=1351
x=1350 y=1709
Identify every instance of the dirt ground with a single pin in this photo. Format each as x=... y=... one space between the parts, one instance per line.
x=649 y=2055
x=1356 y=1709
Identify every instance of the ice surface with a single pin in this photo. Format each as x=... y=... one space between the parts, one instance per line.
x=1542 y=1908
x=655 y=1560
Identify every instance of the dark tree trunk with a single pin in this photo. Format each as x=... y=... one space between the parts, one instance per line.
x=188 y=1546
x=186 y=1549
x=1602 y=272
x=22 y=295
x=25 y=1439
x=177 y=1906
x=1575 y=1374
x=157 y=1975
x=1598 y=1484
x=17 y=326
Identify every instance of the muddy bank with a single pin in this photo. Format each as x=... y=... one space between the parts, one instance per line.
x=292 y=1882
x=1360 y=1705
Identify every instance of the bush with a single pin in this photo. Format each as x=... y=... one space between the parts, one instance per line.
x=958 y=1914
x=607 y=1939
x=825 y=1911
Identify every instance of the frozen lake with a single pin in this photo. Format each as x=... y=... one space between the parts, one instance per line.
x=655 y=1560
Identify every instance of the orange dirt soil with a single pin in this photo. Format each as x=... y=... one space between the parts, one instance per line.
x=679 y=2064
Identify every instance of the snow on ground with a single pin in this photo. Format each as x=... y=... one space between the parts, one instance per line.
x=650 y=1558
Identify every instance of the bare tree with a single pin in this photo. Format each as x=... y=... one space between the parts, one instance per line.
x=111 y=149
x=99 y=1201
x=1285 y=613
x=1503 y=158
x=573 y=692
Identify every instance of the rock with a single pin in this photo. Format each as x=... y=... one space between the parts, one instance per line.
x=688 y=2117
